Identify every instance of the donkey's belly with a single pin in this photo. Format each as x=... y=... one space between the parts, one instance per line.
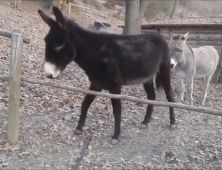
x=204 y=68
x=206 y=59
x=140 y=80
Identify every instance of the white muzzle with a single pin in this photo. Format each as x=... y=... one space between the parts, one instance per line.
x=173 y=63
x=51 y=70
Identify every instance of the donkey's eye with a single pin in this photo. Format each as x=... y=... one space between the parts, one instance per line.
x=178 y=50
x=59 y=47
x=176 y=37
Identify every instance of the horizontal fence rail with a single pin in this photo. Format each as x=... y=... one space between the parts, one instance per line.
x=122 y=97
x=9 y=35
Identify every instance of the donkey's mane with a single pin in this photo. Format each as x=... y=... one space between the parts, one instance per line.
x=189 y=47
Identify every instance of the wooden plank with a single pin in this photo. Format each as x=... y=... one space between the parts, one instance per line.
x=9 y=35
x=121 y=97
x=198 y=37
x=187 y=30
x=215 y=27
x=14 y=87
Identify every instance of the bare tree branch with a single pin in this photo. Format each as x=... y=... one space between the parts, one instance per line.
x=143 y=8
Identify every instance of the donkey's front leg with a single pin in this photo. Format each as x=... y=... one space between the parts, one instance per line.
x=116 y=104
x=190 y=81
x=84 y=108
x=181 y=89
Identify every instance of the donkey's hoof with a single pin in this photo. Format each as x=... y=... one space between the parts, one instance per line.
x=77 y=132
x=142 y=126
x=115 y=141
x=202 y=103
x=173 y=127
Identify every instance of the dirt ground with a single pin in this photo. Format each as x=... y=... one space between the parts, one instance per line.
x=49 y=116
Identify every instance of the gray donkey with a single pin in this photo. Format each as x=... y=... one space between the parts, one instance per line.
x=189 y=63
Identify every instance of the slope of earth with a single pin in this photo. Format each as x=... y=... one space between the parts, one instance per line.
x=48 y=117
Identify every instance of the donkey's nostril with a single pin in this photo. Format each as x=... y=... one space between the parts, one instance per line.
x=49 y=76
x=171 y=65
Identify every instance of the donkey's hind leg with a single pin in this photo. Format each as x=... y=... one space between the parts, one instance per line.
x=205 y=89
x=149 y=88
x=165 y=77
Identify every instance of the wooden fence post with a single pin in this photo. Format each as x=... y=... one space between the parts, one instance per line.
x=14 y=87
x=16 y=3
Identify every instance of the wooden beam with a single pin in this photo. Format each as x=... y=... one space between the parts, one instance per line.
x=9 y=35
x=182 y=31
x=200 y=37
x=183 y=26
x=14 y=87
x=122 y=97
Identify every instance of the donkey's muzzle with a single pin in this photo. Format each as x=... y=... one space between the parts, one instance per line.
x=51 y=71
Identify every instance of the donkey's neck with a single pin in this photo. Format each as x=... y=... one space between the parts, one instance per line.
x=84 y=36
x=87 y=47
x=187 y=51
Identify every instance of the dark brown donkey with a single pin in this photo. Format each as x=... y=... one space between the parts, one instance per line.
x=110 y=61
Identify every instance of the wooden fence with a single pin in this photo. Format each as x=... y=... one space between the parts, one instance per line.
x=15 y=82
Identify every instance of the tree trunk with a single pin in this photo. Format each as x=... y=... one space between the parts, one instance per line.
x=197 y=7
x=135 y=10
x=15 y=3
x=132 y=26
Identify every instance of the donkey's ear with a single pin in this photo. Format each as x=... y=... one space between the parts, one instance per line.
x=171 y=34
x=59 y=17
x=185 y=36
x=46 y=18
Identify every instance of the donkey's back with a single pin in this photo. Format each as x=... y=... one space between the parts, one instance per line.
x=206 y=60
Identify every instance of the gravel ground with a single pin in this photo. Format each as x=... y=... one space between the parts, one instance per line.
x=49 y=115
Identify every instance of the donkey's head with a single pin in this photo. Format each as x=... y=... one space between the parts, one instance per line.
x=176 y=47
x=59 y=49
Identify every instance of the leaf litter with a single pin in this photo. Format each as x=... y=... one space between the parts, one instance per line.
x=48 y=117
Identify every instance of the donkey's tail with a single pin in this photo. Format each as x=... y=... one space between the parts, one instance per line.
x=164 y=68
x=159 y=82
